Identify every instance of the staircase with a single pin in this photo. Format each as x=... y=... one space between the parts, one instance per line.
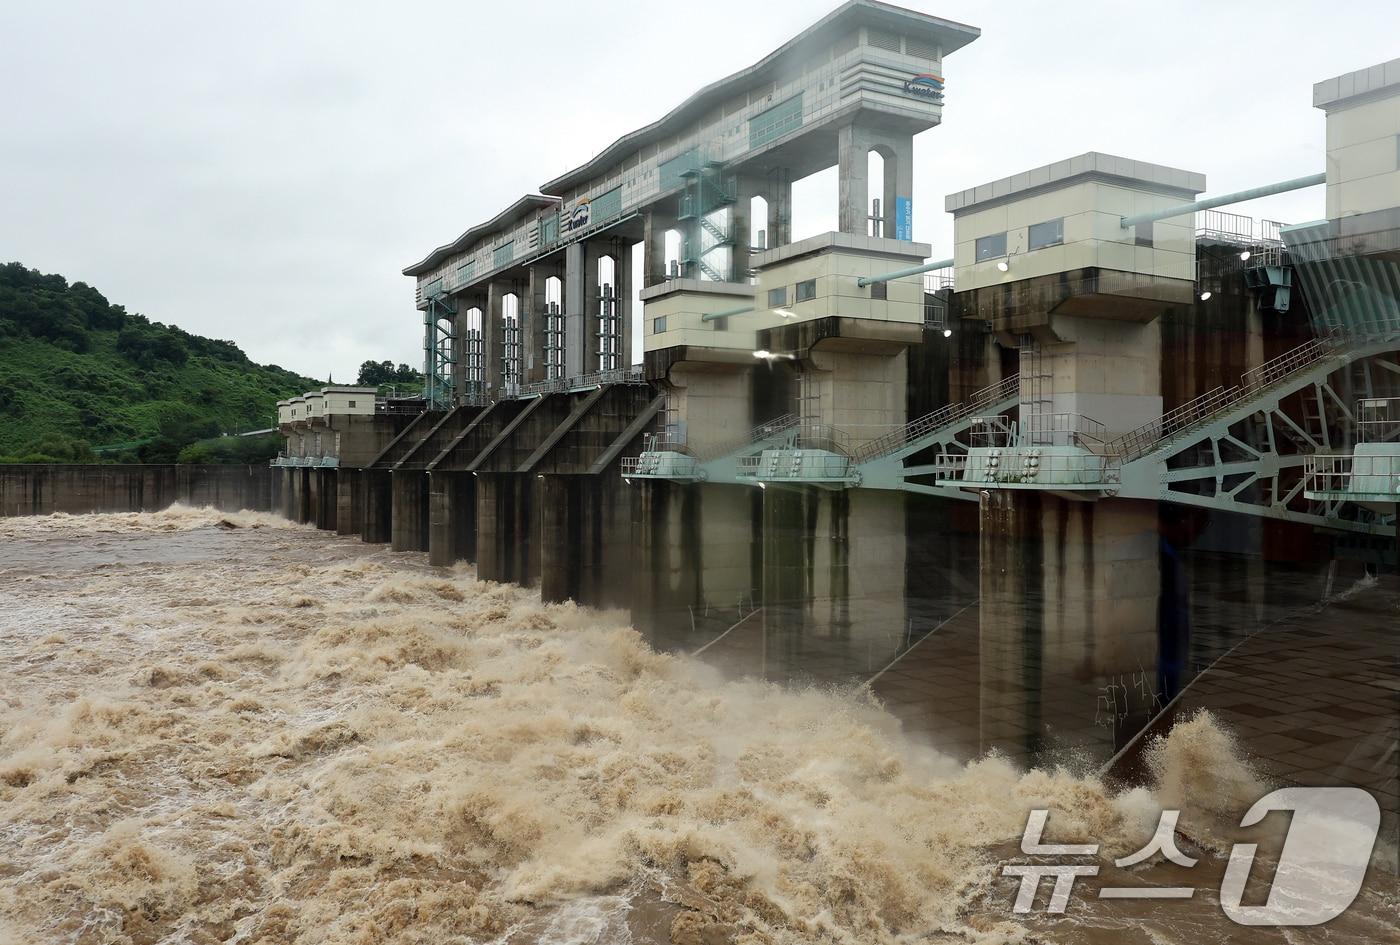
x=919 y=433
x=1295 y=368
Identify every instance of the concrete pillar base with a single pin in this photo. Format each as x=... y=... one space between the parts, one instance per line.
x=451 y=518
x=409 y=526
x=377 y=495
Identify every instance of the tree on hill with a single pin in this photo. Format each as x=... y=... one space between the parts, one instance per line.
x=377 y=373
x=76 y=369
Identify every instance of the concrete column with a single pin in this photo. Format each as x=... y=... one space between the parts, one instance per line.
x=853 y=180
x=592 y=305
x=492 y=322
x=898 y=155
x=409 y=529
x=623 y=284
x=575 y=307
x=1071 y=628
x=854 y=144
x=533 y=309
x=506 y=547
x=377 y=496
x=452 y=518
x=748 y=188
x=347 y=483
x=779 y=197
x=654 y=226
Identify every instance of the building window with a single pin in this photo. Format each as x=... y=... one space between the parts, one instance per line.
x=1049 y=233
x=991 y=247
x=658 y=325
x=1142 y=234
x=777 y=297
x=350 y=405
x=806 y=290
x=879 y=290
x=720 y=324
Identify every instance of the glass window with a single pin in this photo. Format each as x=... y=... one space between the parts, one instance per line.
x=1049 y=233
x=658 y=325
x=991 y=247
x=806 y=290
x=777 y=297
x=879 y=290
x=1142 y=234
x=351 y=404
x=720 y=324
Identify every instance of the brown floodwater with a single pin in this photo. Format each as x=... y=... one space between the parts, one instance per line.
x=228 y=728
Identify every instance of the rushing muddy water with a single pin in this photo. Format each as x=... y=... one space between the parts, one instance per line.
x=227 y=728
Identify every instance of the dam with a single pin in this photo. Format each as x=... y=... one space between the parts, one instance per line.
x=1029 y=493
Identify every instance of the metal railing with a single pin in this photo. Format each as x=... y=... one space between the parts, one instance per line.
x=1347 y=474
x=1328 y=474
x=1062 y=429
x=1224 y=226
x=554 y=385
x=766 y=430
x=821 y=436
x=630 y=465
x=951 y=466
x=1378 y=419
x=1002 y=390
x=672 y=441
x=941 y=278
x=1212 y=404
x=748 y=466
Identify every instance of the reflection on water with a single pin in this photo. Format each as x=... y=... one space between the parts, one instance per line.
x=228 y=728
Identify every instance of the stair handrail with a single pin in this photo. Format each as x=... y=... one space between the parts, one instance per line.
x=763 y=431
x=1150 y=436
x=1002 y=390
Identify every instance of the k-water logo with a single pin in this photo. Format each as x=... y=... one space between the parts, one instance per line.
x=925 y=85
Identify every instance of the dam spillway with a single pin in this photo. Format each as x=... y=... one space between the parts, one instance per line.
x=1112 y=437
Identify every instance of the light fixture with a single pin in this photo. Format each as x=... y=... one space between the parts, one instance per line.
x=1244 y=256
x=1205 y=296
x=1004 y=265
x=947 y=333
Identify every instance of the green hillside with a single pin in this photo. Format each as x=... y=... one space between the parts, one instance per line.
x=78 y=373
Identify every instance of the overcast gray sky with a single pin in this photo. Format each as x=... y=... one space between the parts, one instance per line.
x=262 y=171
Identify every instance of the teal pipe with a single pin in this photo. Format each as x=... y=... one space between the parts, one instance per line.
x=1239 y=196
x=742 y=309
x=901 y=273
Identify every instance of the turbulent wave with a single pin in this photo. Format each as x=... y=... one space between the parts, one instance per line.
x=291 y=738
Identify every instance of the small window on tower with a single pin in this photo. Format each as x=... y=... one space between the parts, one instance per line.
x=879 y=290
x=658 y=325
x=350 y=404
x=1142 y=234
x=1049 y=233
x=991 y=247
x=806 y=290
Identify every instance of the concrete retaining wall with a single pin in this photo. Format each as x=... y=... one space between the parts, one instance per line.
x=41 y=489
